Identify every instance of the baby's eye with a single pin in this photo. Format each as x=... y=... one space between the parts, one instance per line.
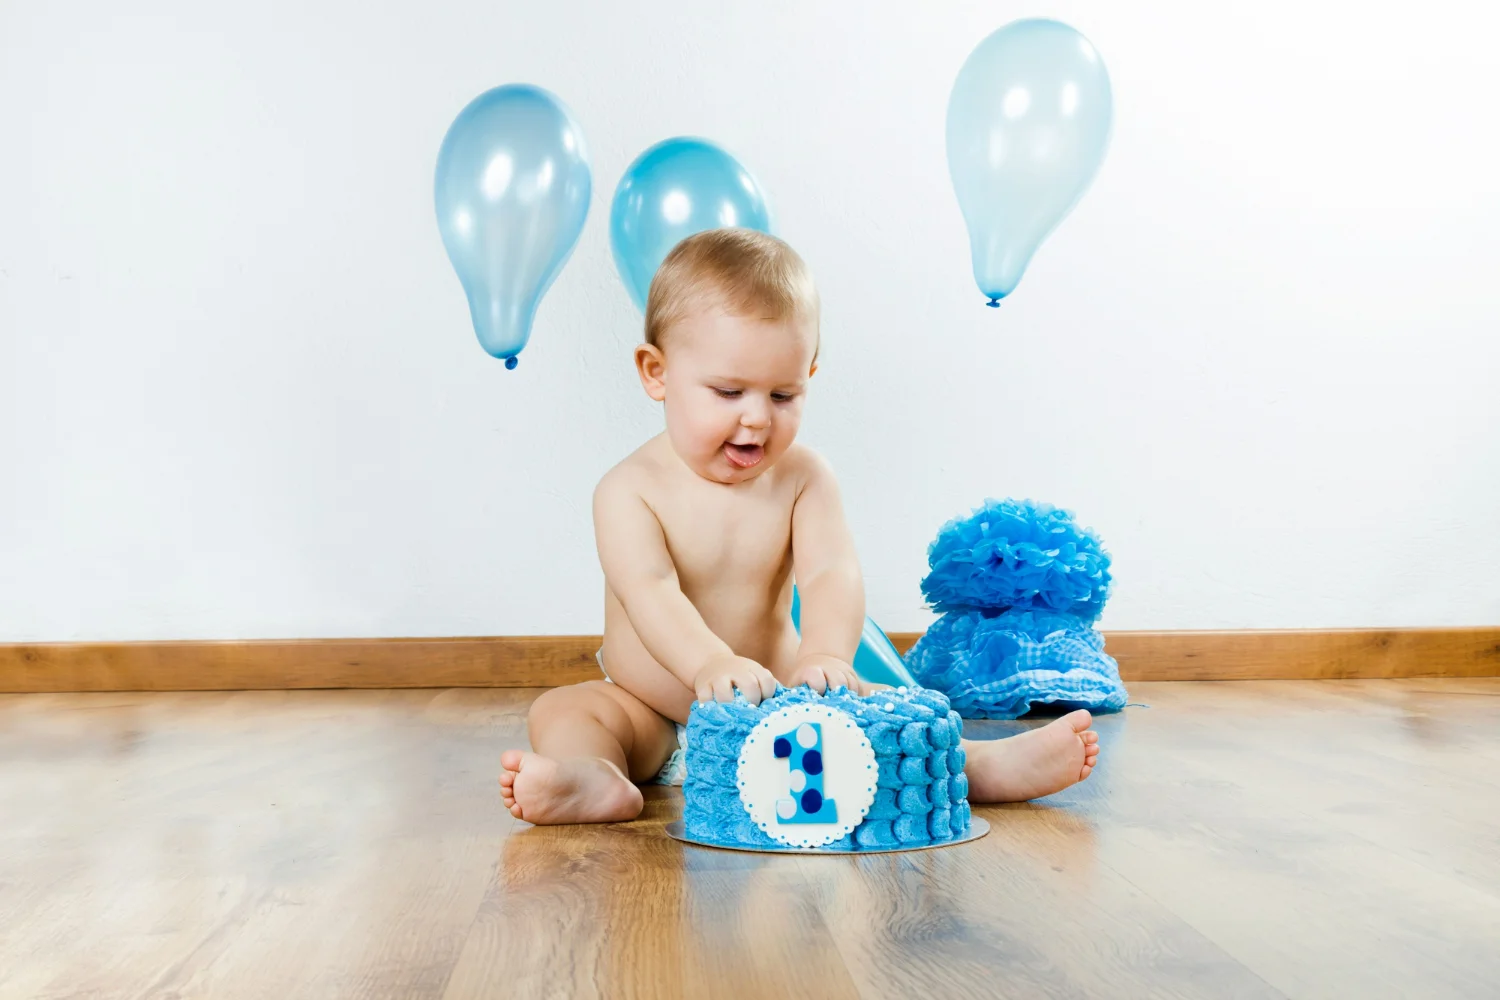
x=783 y=397
x=728 y=393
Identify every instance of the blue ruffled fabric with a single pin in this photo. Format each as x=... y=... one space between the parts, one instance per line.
x=1017 y=554
x=999 y=667
x=1020 y=585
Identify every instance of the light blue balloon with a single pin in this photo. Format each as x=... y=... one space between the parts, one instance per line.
x=876 y=659
x=1028 y=126
x=677 y=188
x=512 y=192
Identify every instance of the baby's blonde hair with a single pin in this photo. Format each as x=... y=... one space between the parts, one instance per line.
x=750 y=272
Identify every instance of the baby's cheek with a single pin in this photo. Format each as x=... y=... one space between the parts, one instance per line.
x=712 y=429
x=700 y=426
x=788 y=426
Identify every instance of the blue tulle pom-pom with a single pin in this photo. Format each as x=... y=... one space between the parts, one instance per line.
x=996 y=666
x=1017 y=554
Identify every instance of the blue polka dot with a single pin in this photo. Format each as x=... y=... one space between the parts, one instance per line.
x=783 y=747
x=812 y=801
x=812 y=762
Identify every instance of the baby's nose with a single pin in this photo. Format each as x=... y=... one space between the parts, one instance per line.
x=756 y=413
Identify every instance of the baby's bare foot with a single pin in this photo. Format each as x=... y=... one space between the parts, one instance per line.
x=1033 y=764
x=576 y=790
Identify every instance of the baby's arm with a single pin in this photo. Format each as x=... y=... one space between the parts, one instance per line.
x=829 y=581
x=640 y=573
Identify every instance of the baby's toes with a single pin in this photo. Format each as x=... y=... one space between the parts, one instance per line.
x=1089 y=737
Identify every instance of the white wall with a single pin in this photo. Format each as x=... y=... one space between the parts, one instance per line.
x=239 y=395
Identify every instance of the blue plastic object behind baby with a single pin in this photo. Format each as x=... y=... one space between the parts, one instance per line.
x=921 y=794
x=876 y=660
x=1020 y=585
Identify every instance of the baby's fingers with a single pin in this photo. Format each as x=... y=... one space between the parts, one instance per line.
x=767 y=684
x=814 y=678
x=723 y=688
x=749 y=685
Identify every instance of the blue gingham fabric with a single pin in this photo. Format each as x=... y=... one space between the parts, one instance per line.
x=998 y=665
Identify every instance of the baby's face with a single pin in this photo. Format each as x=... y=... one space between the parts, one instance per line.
x=734 y=391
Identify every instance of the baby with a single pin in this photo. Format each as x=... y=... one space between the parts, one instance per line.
x=701 y=533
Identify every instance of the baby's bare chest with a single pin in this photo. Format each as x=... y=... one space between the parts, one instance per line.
x=727 y=536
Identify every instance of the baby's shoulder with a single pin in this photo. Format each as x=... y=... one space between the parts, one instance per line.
x=631 y=476
x=803 y=466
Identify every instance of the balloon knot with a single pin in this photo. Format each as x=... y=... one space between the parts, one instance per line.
x=510 y=364
x=993 y=303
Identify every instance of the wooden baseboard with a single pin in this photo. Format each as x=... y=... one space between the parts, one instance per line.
x=1306 y=654
x=488 y=661
x=546 y=661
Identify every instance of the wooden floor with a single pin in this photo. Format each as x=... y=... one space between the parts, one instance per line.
x=1246 y=839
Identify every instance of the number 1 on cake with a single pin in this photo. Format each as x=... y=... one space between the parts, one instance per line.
x=803 y=750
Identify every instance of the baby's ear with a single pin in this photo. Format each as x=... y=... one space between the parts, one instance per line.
x=651 y=366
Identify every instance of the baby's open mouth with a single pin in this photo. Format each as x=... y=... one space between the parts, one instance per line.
x=744 y=456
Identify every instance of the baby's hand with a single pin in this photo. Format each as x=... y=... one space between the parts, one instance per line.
x=718 y=679
x=820 y=672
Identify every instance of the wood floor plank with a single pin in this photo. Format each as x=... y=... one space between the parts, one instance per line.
x=1328 y=917
x=620 y=911
x=1385 y=774
x=187 y=839
x=1304 y=839
x=1026 y=912
x=1232 y=839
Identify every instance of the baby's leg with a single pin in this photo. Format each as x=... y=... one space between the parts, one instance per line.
x=589 y=740
x=1034 y=763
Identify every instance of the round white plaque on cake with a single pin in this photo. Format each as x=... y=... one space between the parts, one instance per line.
x=807 y=775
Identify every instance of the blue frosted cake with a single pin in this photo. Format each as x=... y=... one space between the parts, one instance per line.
x=879 y=772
